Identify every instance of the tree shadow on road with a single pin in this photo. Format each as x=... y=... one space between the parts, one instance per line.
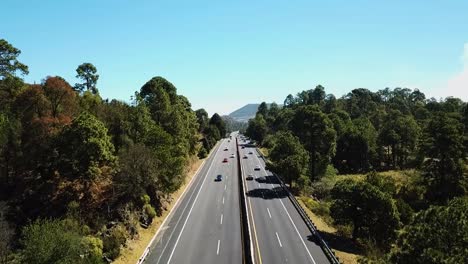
x=267 y=194
x=270 y=179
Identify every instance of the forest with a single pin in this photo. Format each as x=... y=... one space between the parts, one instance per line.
x=80 y=174
x=387 y=168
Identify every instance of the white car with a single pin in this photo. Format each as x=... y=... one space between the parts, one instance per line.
x=232 y=156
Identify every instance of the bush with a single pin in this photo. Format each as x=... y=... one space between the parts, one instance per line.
x=202 y=153
x=149 y=211
x=145 y=199
x=304 y=185
x=112 y=241
x=92 y=247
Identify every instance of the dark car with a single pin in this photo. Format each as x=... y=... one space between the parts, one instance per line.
x=225 y=160
x=249 y=178
x=219 y=177
x=257 y=168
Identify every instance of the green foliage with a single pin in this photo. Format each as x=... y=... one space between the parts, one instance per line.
x=149 y=211
x=113 y=241
x=9 y=63
x=437 y=235
x=55 y=241
x=92 y=248
x=137 y=171
x=84 y=147
x=289 y=159
x=321 y=189
x=257 y=128
x=316 y=133
x=218 y=122
x=87 y=72
x=372 y=212
x=443 y=171
x=202 y=153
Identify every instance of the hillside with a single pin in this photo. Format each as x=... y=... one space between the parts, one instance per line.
x=244 y=113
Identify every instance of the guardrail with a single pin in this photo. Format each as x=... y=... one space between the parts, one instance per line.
x=326 y=249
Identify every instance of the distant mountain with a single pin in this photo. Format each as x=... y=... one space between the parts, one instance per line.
x=244 y=113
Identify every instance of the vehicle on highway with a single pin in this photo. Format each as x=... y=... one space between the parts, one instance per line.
x=232 y=156
x=246 y=157
x=257 y=168
x=225 y=160
x=243 y=147
x=250 y=152
x=226 y=149
x=249 y=177
x=219 y=177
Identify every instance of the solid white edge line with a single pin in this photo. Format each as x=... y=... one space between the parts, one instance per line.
x=217 y=250
x=279 y=241
x=269 y=212
x=290 y=219
x=191 y=208
x=146 y=252
x=221 y=222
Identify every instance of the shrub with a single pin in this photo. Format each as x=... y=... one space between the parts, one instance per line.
x=202 y=153
x=149 y=211
x=112 y=241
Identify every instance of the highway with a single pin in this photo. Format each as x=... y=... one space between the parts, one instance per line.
x=204 y=227
x=278 y=232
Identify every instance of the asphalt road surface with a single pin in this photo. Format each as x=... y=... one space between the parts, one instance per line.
x=279 y=234
x=205 y=225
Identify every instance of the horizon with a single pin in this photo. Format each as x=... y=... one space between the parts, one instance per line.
x=222 y=56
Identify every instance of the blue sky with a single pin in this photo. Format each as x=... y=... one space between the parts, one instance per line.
x=224 y=54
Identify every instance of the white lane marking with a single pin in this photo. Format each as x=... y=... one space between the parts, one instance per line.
x=224 y=186
x=292 y=222
x=269 y=212
x=223 y=199
x=221 y=222
x=191 y=208
x=176 y=206
x=217 y=250
x=279 y=241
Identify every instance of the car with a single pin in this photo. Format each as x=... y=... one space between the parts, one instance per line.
x=232 y=156
x=257 y=168
x=219 y=177
x=226 y=149
x=246 y=157
x=250 y=152
x=225 y=160
x=243 y=147
x=249 y=177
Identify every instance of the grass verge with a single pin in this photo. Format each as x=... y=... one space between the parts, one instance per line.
x=345 y=249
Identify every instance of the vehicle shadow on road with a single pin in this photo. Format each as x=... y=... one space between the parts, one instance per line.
x=338 y=242
x=268 y=194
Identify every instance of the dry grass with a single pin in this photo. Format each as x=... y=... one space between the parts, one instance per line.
x=346 y=252
x=400 y=176
x=136 y=247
